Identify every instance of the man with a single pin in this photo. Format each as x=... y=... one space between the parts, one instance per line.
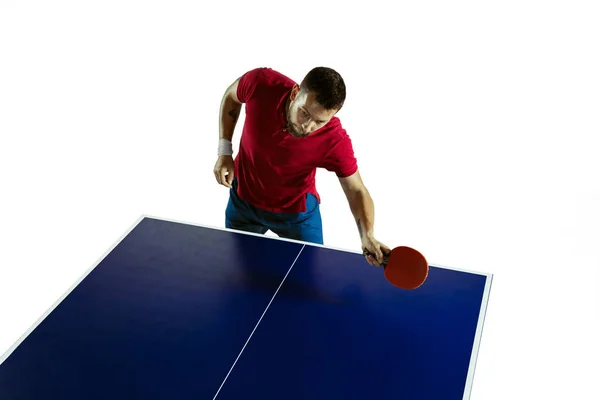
x=290 y=130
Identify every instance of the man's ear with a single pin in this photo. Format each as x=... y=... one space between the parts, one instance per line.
x=295 y=91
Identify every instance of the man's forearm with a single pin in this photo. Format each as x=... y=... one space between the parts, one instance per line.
x=229 y=114
x=363 y=210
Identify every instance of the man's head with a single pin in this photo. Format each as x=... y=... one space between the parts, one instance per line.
x=313 y=103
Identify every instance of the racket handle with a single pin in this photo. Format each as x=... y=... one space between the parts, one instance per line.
x=386 y=257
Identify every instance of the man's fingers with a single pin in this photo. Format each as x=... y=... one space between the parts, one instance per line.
x=379 y=256
x=223 y=177
x=370 y=261
x=386 y=250
x=376 y=256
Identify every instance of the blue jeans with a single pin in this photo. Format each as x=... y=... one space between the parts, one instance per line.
x=305 y=226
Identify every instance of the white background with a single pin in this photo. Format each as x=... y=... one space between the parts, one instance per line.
x=484 y=116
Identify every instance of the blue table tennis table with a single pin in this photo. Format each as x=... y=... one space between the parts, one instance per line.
x=176 y=310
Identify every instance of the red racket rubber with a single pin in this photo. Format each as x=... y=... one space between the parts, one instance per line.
x=404 y=267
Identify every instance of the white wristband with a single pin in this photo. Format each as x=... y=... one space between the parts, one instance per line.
x=225 y=148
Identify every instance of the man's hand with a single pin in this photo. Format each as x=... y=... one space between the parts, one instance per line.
x=376 y=248
x=224 y=170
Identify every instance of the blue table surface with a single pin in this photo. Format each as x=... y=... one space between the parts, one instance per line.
x=180 y=311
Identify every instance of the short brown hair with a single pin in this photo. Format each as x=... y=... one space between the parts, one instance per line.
x=328 y=86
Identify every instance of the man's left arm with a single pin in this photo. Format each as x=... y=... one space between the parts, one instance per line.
x=363 y=209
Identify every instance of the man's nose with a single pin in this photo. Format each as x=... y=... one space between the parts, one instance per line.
x=307 y=126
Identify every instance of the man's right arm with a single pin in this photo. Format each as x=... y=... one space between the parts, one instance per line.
x=230 y=110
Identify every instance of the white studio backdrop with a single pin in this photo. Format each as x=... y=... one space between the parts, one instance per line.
x=483 y=117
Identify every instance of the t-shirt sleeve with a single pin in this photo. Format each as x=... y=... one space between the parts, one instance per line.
x=341 y=158
x=248 y=83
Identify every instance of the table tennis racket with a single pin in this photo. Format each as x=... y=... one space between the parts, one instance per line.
x=404 y=267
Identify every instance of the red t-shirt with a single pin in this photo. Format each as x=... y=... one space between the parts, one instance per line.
x=275 y=171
